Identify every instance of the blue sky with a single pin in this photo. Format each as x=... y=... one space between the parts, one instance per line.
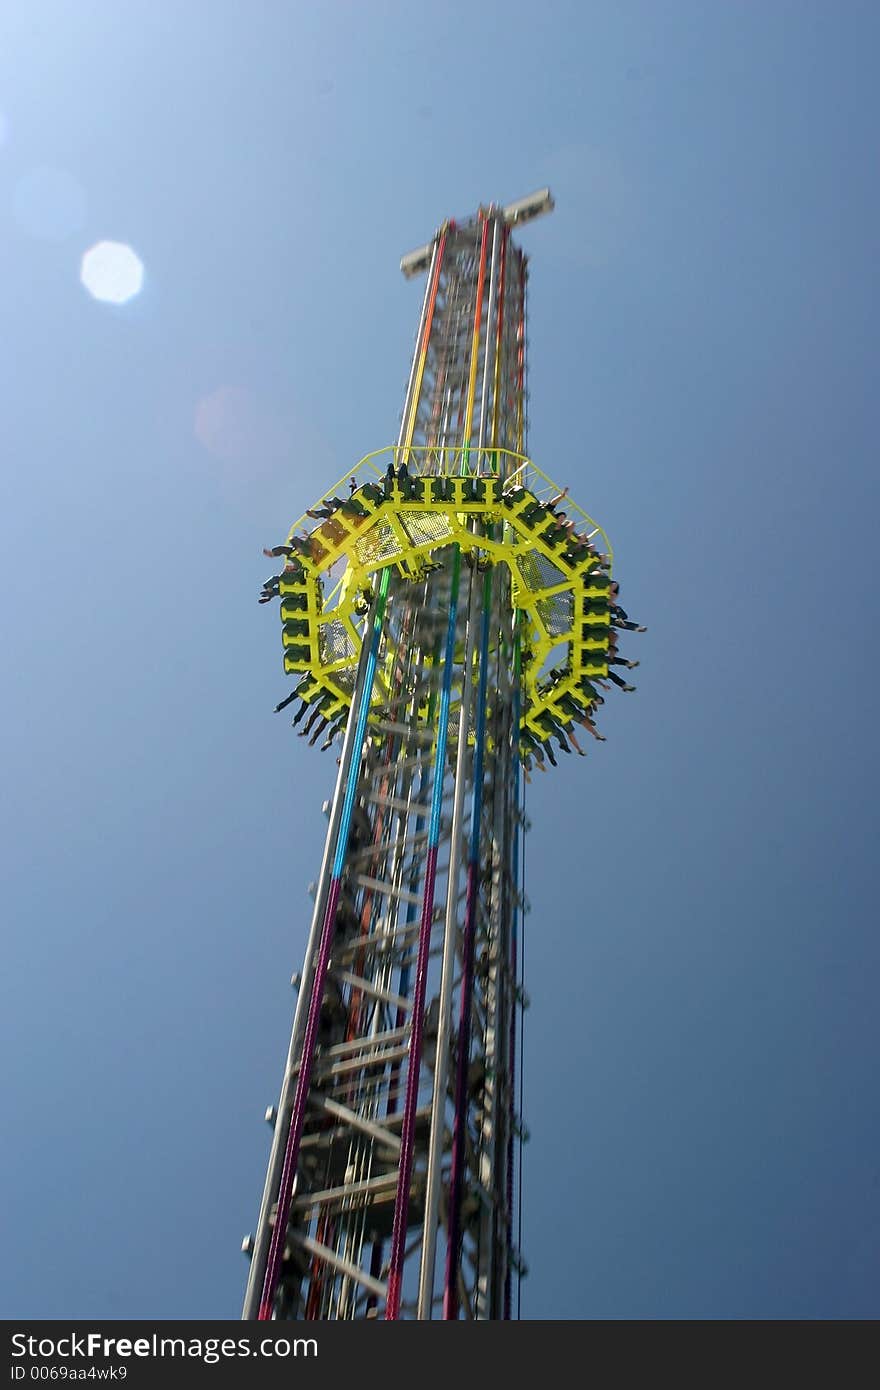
x=701 y=1049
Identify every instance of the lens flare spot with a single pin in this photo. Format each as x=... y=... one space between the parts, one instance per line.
x=112 y=272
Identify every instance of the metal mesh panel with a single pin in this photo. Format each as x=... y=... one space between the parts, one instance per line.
x=537 y=571
x=557 y=613
x=345 y=678
x=379 y=544
x=426 y=526
x=336 y=643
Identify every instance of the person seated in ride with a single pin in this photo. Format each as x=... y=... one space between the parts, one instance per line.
x=614 y=657
x=353 y=506
x=318 y=712
x=373 y=494
x=511 y=495
x=335 y=729
x=616 y=680
x=302 y=544
x=300 y=690
x=404 y=480
x=275 y=551
x=330 y=505
x=563 y=530
x=578 y=548
x=619 y=616
x=270 y=589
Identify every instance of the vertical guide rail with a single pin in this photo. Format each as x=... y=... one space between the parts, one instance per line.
x=409 y=421
x=404 y=1179
x=521 y=358
x=492 y=1148
x=256 y=1274
x=453 y=1247
x=298 y=1112
x=514 y=876
x=401 y=1205
x=418 y=357
x=475 y=352
x=514 y=868
x=459 y=1133
x=406 y=441
x=441 y=1059
x=499 y=344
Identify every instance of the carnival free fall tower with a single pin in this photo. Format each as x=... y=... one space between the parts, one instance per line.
x=444 y=618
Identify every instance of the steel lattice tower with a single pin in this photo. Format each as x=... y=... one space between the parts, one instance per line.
x=423 y=610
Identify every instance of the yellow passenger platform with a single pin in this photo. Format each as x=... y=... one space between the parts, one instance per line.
x=561 y=593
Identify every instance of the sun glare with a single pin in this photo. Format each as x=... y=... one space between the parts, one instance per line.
x=112 y=272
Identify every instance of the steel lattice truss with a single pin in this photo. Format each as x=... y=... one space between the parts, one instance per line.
x=424 y=613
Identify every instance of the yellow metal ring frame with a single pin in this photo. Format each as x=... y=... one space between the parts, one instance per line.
x=484 y=501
